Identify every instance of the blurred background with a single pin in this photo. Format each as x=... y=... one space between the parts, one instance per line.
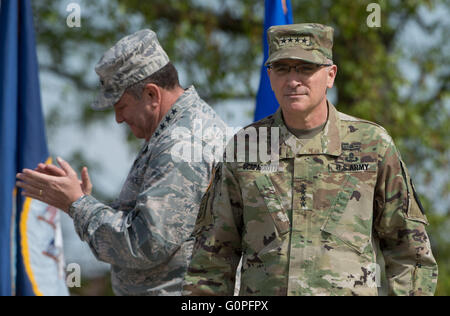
x=396 y=75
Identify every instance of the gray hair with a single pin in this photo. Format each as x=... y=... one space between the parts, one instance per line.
x=166 y=78
x=136 y=89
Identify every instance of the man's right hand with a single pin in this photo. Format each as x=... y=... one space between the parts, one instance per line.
x=86 y=184
x=52 y=170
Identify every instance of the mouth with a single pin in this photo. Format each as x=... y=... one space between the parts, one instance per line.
x=299 y=92
x=295 y=95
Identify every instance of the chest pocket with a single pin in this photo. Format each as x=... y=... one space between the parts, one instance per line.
x=273 y=203
x=350 y=218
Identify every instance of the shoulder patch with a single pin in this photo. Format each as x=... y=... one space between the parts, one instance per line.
x=414 y=209
x=416 y=197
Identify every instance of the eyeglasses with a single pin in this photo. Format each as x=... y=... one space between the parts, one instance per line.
x=307 y=69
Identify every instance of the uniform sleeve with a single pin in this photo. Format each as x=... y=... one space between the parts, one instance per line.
x=162 y=219
x=400 y=224
x=217 y=248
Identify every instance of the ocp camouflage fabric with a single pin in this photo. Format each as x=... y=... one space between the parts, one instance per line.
x=310 y=42
x=146 y=235
x=337 y=216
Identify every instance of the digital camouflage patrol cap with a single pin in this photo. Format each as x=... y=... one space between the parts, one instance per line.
x=309 y=42
x=132 y=59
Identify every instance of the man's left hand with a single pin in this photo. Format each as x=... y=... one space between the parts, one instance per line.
x=58 y=191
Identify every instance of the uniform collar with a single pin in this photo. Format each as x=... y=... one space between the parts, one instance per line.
x=185 y=102
x=327 y=142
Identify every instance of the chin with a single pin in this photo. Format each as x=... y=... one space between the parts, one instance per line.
x=136 y=133
x=139 y=136
x=298 y=107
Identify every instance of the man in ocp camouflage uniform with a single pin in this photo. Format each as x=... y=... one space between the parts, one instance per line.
x=145 y=234
x=332 y=212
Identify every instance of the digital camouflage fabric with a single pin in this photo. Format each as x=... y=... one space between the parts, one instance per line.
x=337 y=216
x=132 y=59
x=146 y=234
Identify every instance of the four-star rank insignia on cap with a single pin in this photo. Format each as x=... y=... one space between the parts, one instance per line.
x=295 y=41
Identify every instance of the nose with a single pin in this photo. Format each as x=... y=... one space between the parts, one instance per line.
x=293 y=79
x=119 y=117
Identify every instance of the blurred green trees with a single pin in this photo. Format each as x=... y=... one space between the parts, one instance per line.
x=396 y=75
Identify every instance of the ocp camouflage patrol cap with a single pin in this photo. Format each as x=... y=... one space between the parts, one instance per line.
x=309 y=42
x=134 y=58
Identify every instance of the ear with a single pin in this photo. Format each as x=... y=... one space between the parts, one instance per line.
x=269 y=71
x=153 y=95
x=332 y=72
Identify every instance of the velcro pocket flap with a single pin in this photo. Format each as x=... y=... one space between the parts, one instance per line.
x=273 y=203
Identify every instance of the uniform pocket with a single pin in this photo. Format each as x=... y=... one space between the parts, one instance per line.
x=349 y=222
x=273 y=203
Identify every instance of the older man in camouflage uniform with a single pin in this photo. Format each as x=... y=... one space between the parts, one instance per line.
x=145 y=235
x=334 y=213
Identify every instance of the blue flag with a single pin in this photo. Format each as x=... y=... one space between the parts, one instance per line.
x=277 y=12
x=31 y=261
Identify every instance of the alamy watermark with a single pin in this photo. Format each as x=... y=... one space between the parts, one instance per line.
x=73 y=277
x=74 y=18
x=209 y=144
x=374 y=18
